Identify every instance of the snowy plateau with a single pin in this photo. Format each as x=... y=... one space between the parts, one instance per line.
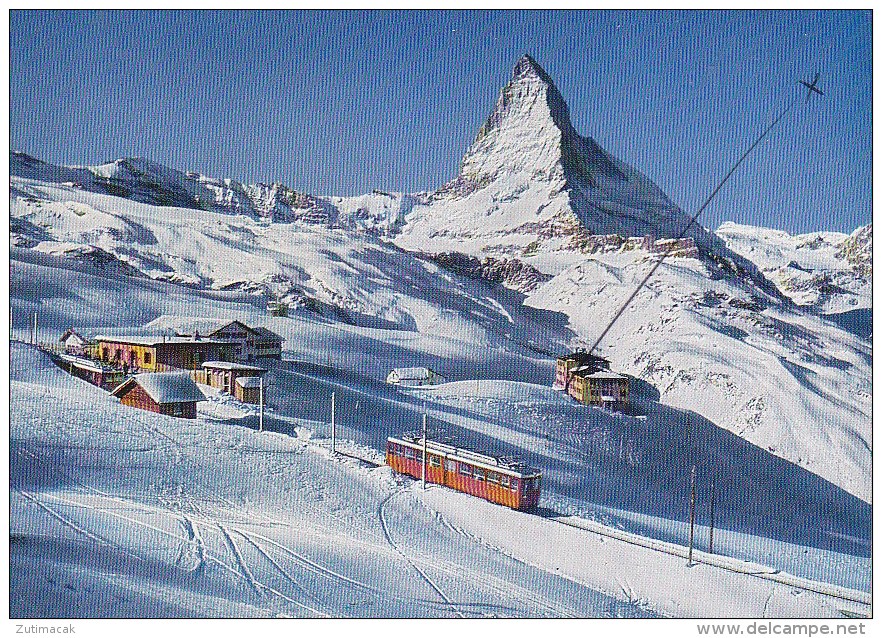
x=749 y=353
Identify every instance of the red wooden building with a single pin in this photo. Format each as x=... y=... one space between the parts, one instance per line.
x=169 y=393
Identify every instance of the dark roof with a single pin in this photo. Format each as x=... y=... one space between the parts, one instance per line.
x=267 y=334
x=164 y=387
x=582 y=357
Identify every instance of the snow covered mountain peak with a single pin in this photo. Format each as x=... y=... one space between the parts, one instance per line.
x=530 y=182
x=529 y=129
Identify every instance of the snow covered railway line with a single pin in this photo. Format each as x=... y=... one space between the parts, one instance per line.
x=716 y=560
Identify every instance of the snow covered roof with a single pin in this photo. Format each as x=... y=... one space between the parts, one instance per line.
x=203 y=326
x=605 y=374
x=248 y=382
x=229 y=365
x=165 y=387
x=151 y=340
x=412 y=373
x=71 y=333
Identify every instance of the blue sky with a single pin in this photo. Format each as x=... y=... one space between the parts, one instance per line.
x=345 y=102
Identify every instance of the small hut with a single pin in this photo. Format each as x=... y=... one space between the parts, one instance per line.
x=169 y=393
x=414 y=377
x=247 y=389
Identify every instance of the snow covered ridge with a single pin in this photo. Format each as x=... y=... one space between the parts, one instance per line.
x=826 y=271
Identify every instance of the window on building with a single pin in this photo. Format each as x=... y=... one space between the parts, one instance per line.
x=177 y=409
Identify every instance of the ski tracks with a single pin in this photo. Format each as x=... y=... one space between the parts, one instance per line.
x=407 y=559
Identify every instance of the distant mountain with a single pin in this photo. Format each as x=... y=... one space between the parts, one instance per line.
x=531 y=183
x=825 y=271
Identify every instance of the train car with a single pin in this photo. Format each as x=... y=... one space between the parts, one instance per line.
x=501 y=480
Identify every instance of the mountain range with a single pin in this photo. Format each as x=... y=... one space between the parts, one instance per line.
x=530 y=250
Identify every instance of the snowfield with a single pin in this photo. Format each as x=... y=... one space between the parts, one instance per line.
x=121 y=513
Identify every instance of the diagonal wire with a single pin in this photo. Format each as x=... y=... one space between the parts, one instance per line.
x=691 y=223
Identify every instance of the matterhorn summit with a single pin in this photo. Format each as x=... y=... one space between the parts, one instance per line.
x=530 y=181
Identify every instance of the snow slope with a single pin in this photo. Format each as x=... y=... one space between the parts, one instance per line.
x=192 y=530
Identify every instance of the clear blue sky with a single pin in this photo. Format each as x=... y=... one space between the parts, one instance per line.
x=345 y=102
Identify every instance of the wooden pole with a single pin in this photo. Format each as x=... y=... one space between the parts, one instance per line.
x=425 y=450
x=333 y=423
x=692 y=516
x=261 y=404
x=711 y=544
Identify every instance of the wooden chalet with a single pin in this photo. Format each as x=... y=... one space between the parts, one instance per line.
x=75 y=344
x=249 y=343
x=588 y=379
x=169 y=393
x=156 y=354
x=247 y=389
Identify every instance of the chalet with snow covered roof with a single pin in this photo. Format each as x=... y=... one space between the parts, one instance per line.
x=157 y=354
x=414 y=377
x=588 y=379
x=599 y=387
x=95 y=372
x=168 y=393
x=247 y=389
x=249 y=343
x=76 y=344
x=225 y=375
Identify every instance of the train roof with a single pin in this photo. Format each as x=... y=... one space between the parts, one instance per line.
x=509 y=463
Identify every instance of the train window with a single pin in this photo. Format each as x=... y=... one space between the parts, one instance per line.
x=514 y=485
x=450 y=466
x=465 y=470
x=503 y=480
x=492 y=477
x=479 y=474
x=434 y=461
x=409 y=454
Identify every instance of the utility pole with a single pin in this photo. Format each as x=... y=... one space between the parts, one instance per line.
x=711 y=544
x=425 y=450
x=261 y=404
x=34 y=340
x=333 y=423
x=691 y=516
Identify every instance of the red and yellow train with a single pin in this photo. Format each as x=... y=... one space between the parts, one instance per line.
x=498 y=479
